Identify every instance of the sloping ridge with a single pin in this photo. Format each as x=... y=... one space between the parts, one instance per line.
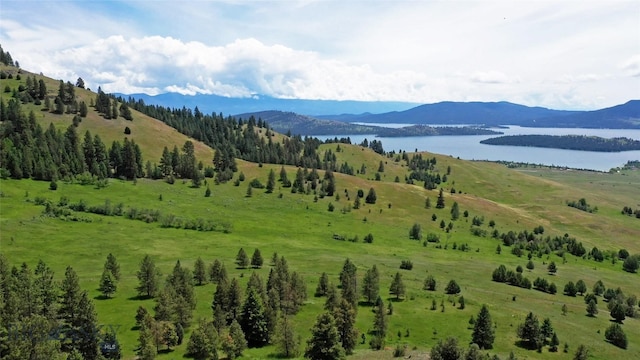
x=622 y=116
x=449 y=112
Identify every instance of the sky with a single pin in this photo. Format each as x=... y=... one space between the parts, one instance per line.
x=578 y=55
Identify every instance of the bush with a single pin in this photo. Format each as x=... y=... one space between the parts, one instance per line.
x=406 y=265
x=53 y=185
x=256 y=184
x=127 y=131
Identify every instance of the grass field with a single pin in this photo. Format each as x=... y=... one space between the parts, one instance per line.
x=301 y=229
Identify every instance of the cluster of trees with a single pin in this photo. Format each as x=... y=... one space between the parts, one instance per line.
x=250 y=140
x=5 y=58
x=542 y=284
x=514 y=278
x=535 y=335
x=28 y=151
x=422 y=169
x=45 y=318
x=260 y=316
x=571 y=142
x=628 y=210
x=108 y=106
x=582 y=205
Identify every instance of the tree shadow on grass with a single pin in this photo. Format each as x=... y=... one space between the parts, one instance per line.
x=139 y=297
x=102 y=297
x=525 y=345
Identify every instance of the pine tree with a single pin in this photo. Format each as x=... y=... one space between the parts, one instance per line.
x=148 y=278
x=397 y=286
x=214 y=271
x=371 y=284
x=323 y=285
x=348 y=282
x=46 y=290
x=146 y=348
x=199 y=272
x=253 y=322
x=371 y=197
x=107 y=284
x=447 y=350
x=69 y=305
x=529 y=331
x=324 y=343
x=440 y=201
x=235 y=343
x=242 y=260
x=455 y=211
x=483 y=333
x=271 y=181
x=345 y=317
x=286 y=340
x=256 y=259
x=234 y=301
x=380 y=324
x=86 y=338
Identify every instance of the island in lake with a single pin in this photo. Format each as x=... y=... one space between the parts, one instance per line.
x=567 y=142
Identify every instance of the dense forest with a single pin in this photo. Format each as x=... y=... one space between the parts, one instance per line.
x=568 y=142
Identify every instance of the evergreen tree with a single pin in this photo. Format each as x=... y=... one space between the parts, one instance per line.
x=234 y=301
x=112 y=266
x=256 y=259
x=348 y=282
x=271 y=181
x=616 y=336
x=345 y=317
x=85 y=337
x=380 y=325
x=148 y=278
x=146 y=348
x=397 y=286
x=455 y=211
x=323 y=285
x=440 y=201
x=203 y=342
x=371 y=197
x=452 y=288
x=253 y=322
x=69 y=306
x=242 y=260
x=529 y=331
x=214 y=271
x=430 y=283
x=199 y=272
x=286 y=340
x=483 y=332
x=107 y=284
x=324 y=343
x=235 y=343
x=45 y=289
x=371 y=284
x=447 y=350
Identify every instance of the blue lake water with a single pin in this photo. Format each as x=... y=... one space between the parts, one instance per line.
x=469 y=147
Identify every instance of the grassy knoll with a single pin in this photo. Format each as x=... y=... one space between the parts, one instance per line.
x=302 y=230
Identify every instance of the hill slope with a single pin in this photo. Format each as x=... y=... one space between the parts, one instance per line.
x=150 y=134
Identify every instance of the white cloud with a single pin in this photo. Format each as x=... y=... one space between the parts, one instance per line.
x=556 y=54
x=632 y=66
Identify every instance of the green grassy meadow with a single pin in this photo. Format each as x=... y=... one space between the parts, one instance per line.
x=302 y=229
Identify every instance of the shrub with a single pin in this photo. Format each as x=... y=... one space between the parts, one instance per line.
x=616 y=336
x=406 y=265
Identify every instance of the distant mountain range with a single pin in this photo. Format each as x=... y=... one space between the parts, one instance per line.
x=503 y=113
x=219 y=104
x=297 y=115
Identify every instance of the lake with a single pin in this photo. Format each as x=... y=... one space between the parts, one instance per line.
x=469 y=147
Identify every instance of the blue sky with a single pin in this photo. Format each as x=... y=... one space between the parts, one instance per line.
x=557 y=54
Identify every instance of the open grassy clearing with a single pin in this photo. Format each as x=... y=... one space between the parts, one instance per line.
x=301 y=230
